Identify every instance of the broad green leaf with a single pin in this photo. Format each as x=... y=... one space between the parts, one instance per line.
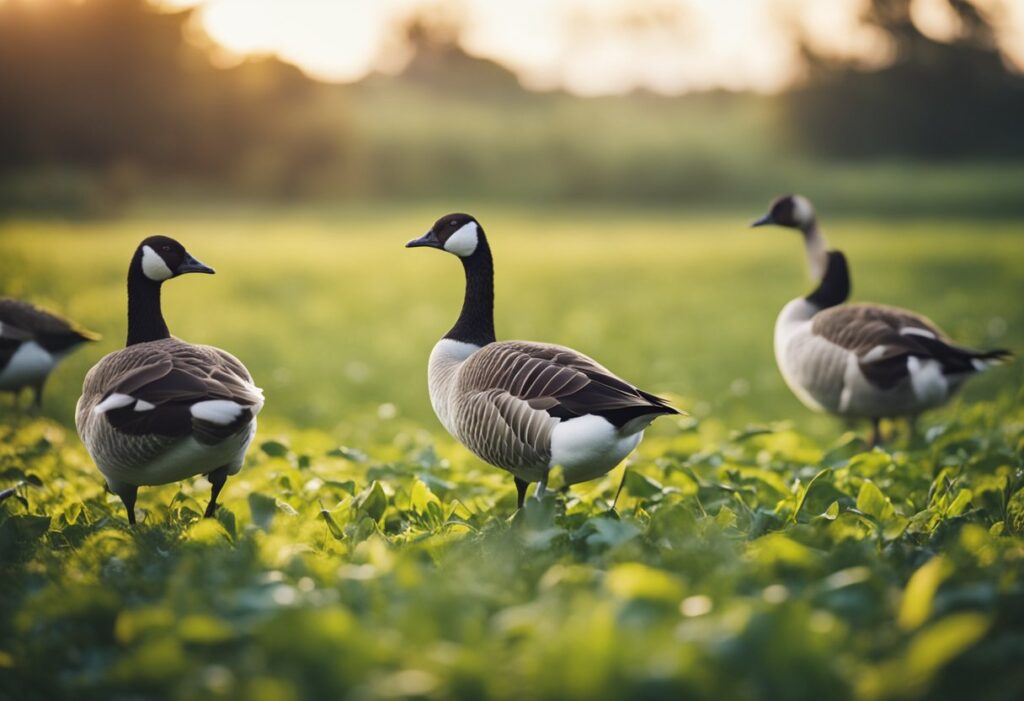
x=610 y=532
x=872 y=502
x=831 y=512
x=919 y=593
x=421 y=497
x=805 y=490
x=208 y=531
x=204 y=629
x=274 y=449
x=961 y=503
x=372 y=501
x=641 y=486
x=636 y=581
x=933 y=647
x=262 y=509
x=348 y=454
x=332 y=525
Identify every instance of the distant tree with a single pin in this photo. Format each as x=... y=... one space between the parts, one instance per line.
x=936 y=99
x=96 y=83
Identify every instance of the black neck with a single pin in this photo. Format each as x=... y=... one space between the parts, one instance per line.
x=476 y=322
x=834 y=287
x=145 y=319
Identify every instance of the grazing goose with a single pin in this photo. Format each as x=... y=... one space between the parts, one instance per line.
x=861 y=360
x=525 y=407
x=32 y=342
x=162 y=410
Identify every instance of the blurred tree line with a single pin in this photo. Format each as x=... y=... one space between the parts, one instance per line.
x=101 y=100
x=936 y=100
x=114 y=86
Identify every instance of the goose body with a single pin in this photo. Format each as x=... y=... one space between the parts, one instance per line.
x=162 y=410
x=166 y=410
x=32 y=342
x=861 y=360
x=521 y=406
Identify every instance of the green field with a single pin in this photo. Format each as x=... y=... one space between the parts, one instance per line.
x=757 y=552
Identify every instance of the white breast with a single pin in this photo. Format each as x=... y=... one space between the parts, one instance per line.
x=794 y=342
x=442 y=371
x=29 y=364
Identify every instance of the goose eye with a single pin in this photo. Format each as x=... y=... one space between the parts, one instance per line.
x=167 y=248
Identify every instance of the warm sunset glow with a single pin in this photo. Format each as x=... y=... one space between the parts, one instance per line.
x=589 y=47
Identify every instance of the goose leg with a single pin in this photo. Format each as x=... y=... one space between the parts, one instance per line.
x=37 y=391
x=128 y=493
x=622 y=483
x=876 y=433
x=912 y=428
x=217 y=478
x=521 y=486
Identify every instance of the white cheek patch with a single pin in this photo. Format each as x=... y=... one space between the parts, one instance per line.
x=143 y=405
x=463 y=242
x=217 y=411
x=803 y=212
x=153 y=266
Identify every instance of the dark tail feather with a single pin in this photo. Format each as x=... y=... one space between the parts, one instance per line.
x=661 y=406
x=958 y=360
x=987 y=359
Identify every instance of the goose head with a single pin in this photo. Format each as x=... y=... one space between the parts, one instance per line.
x=458 y=234
x=160 y=258
x=790 y=211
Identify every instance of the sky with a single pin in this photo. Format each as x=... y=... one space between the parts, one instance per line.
x=588 y=47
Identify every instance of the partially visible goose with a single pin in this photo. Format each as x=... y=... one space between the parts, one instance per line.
x=861 y=360
x=162 y=410
x=32 y=342
x=525 y=407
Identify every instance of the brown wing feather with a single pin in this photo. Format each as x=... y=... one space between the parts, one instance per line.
x=52 y=332
x=879 y=337
x=557 y=380
x=172 y=378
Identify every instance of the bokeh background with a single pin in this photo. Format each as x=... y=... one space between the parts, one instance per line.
x=614 y=150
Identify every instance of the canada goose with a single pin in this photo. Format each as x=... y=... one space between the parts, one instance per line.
x=861 y=360
x=32 y=342
x=162 y=410
x=525 y=407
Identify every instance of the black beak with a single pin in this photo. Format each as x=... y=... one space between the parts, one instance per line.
x=191 y=265
x=428 y=239
x=763 y=221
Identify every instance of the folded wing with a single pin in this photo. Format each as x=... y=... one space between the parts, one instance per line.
x=558 y=381
x=884 y=339
x=193 y=391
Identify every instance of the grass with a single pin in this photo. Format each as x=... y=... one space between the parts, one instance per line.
x=757 y=551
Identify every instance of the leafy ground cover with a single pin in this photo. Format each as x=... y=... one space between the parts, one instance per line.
x=754 y=566
x=362 y=554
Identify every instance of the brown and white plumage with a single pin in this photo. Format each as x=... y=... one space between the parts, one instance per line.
x=861 y=360
x=32 y=342
x=139 y=403
x=521 y=406
x=162 y=410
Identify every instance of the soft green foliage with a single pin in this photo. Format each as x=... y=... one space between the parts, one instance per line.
x=362 y=554
x=729 y=569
